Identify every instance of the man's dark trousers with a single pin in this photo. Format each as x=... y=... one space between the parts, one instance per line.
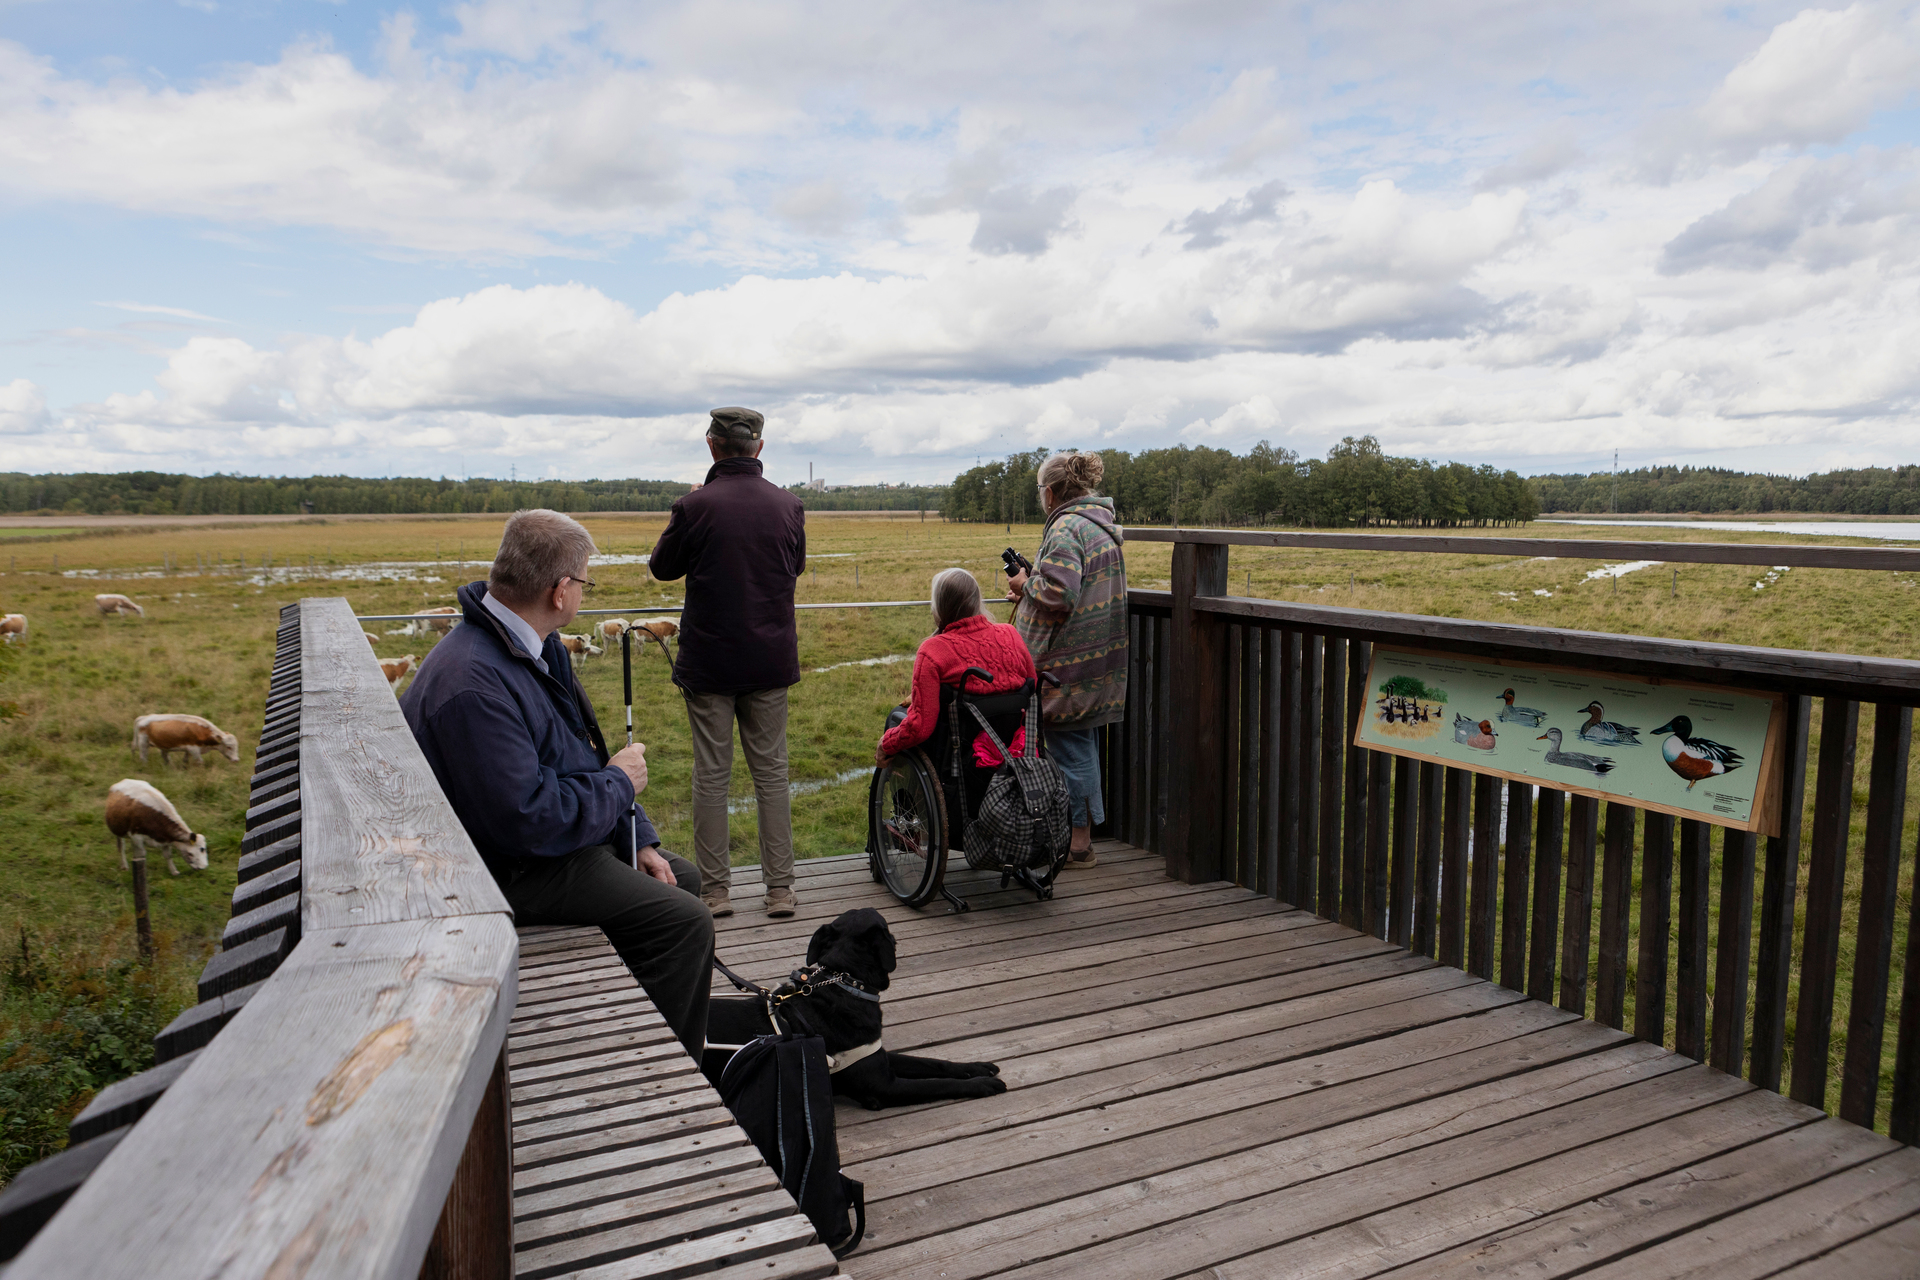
x=664 y=935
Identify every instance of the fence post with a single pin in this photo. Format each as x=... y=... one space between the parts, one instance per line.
x=1197 y=716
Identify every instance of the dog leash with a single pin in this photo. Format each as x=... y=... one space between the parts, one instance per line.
x=801 y=982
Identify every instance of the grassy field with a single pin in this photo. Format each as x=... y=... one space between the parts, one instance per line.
x=68 y=697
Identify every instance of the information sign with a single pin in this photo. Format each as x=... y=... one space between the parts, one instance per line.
x=1697 y=751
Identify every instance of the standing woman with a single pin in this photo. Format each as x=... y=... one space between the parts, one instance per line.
x=1072 y=612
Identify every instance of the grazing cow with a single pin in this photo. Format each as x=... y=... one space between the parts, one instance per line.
x=112 y=605
x=660 y=628
x=13 y=627
x=372 y=639
x=397 y=669
x=579 y=647
x=611 y=629
x=137 y=810
x=188 y=734
x=435 y=624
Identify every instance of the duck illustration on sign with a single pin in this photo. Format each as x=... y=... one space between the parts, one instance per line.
x=1694 y=758
x=1527 y=716
x=1482 y=739
x=1605 y=732
x=1573 y=759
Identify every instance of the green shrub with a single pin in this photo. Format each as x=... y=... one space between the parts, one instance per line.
x=71 y=1029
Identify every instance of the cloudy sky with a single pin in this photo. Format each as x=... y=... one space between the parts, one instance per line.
x=287 y=236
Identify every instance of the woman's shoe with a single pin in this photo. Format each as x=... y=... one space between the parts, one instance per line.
x=1074 y=860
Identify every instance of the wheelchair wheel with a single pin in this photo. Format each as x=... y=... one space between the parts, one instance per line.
x=909 y=821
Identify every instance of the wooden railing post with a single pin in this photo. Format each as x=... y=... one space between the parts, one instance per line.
x=1197 y=717
x=474 y=1237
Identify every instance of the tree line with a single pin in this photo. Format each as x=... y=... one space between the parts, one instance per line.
x=1864 y=491
x=1355 y=484
x=159 y=494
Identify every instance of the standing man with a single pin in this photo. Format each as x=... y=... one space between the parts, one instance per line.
x=514 y=743
x=741 y=544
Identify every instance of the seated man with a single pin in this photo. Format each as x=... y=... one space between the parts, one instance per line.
x=515 y=745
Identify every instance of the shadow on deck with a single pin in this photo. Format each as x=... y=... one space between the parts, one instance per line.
x=1202 y=1082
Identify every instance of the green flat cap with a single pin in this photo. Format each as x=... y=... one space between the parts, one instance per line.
x=736 y=424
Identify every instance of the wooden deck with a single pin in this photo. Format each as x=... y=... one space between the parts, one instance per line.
x=1202 y=1082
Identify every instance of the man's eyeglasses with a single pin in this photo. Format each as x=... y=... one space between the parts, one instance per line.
x=586 y=584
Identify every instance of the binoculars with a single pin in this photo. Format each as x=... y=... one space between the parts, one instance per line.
x=1015 y=562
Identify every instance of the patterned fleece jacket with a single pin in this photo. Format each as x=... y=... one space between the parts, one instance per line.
x=1073 y=615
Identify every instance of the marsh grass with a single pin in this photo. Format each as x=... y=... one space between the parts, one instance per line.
x=68 y=696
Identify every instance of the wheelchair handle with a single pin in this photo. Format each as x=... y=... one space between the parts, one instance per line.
x=971 y=672
x=1050 y=678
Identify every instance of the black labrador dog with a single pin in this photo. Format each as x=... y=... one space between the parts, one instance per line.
x=838 y=1000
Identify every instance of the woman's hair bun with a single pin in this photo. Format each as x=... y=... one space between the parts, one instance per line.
x=1072 y=474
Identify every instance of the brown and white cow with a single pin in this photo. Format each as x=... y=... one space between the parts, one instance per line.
x=172 y=732
x=372 y=639
x=579 y=647
x=452 y=619
x=137 y=811
x=397 y=669
x=611 y=629
x=114 y=605
x=659 y=628
x=13 y=627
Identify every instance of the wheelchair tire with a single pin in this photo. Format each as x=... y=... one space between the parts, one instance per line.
x=908 y=816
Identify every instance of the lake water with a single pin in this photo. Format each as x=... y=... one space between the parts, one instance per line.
x=1889 y=530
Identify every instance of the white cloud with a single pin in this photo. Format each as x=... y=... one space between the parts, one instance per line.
x=154 y=309
x=1818 y=77
x=920 y=232
x=23 y=408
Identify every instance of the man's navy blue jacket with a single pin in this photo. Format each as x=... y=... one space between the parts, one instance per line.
x=519 y=754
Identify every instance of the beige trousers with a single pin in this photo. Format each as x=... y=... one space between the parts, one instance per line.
x=762 y=716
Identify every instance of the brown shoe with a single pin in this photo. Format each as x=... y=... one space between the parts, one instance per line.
x=1074 y=860
x=718 y=903
x=781 y=902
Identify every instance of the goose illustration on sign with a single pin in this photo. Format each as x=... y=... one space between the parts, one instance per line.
x=1710 y=735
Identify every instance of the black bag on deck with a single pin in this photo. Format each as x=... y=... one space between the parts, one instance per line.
x=781 y=1094
x=1026 y=817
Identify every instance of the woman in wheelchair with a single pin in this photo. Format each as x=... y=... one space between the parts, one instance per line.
x=917 y=810
x=963 y=636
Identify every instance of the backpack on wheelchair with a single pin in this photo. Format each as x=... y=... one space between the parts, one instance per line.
x=1011 y=816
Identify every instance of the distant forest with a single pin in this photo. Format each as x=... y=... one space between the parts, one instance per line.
x=155 y=494
x=1355 y=484
x=1868 y=491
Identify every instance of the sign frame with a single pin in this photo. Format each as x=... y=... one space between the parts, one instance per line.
x=1764 y=816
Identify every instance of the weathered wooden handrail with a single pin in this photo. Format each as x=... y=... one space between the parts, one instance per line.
x=1757 y=553
x=1235 y=762
x=352 y=1118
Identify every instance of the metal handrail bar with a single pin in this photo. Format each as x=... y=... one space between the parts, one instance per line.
x=1754 y=553
x=610 y=613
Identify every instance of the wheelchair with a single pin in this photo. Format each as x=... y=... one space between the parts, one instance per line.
x=919 y=804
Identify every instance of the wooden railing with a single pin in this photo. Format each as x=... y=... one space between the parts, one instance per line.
x=346 y=1111
x=1235 y=762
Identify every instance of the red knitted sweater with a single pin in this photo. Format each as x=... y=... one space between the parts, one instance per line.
x=943 y=657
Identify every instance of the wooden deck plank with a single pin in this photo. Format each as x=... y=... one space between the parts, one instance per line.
x=1201 y=1080
x=1293 y=1197
x=1623 y=1222
x=1133 y=1138
x=1890 y=1251
x=1787 y=1229
x=1297 y=1144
